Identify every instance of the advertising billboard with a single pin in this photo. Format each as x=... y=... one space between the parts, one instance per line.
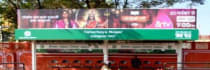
x=106 y=18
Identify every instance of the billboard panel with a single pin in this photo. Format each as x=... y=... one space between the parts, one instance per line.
x=106 y=18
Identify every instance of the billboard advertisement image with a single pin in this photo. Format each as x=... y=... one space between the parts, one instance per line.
x=106 y=18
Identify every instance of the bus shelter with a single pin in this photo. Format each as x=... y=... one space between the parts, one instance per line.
x=154 y=25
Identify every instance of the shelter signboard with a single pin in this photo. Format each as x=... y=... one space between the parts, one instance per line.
x=107 y=24
x=106 y=34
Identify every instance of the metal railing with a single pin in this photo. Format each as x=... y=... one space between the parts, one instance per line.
x=12 y=66
x=113 y=67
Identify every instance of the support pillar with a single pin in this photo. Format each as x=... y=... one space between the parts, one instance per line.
x=179 y=55
x=105 y=52
x=33 y=49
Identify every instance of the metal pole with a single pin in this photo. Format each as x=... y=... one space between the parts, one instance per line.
x=1 y=34
x=33 y=48
x=15 y=54
x=105 y=52
x=179 y=55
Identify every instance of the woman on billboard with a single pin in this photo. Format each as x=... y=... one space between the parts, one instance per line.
x=94 y=21
x=65 y=20
x=91 y=21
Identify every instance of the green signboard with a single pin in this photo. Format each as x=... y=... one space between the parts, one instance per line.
x=106 y=34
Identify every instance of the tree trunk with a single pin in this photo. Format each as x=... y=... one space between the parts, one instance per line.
x=88 y=3
x=13 y=4
x=126 y=3
x=116 y=3
x=39 y=4
x=97 y=3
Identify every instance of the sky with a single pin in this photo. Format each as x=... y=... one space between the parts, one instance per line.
x=203 y=16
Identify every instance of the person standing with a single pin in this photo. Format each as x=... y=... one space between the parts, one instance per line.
x=135 y=62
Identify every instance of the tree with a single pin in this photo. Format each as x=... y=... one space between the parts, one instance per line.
x=153 y=3
x=8 y=8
